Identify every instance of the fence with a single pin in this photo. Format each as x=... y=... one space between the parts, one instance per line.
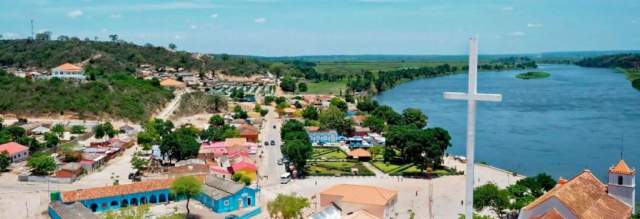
x=251 y=213
x=45 y=179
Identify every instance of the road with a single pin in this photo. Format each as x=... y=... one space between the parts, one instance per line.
x=269 y=170
x=168 y=110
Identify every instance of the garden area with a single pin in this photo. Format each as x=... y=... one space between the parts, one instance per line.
x=328 y=153
x=331 y=161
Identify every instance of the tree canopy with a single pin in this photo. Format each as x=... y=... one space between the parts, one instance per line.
x=186 y=186
x=41 y=164
x=287 y=206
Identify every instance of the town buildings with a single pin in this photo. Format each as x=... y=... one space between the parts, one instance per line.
x=584 y=196
x=321 y=137
x=68 y=71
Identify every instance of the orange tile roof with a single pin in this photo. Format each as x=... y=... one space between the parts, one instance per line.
x=550 y=214
x=622 y=168
x=107 y=191
x=69 y=67
x=586 y=197
x=361 y=214
x=232 y=142
x=12 y=148
x=248 y=130
x=362 y=194
x=359 y=153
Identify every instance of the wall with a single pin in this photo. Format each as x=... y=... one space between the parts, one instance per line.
x=246 y=195
x=117 y=202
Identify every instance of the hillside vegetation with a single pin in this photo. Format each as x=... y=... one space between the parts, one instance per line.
x=116 y=96
x=106 y=57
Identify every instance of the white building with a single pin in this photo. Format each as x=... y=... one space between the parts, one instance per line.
x=67 y=71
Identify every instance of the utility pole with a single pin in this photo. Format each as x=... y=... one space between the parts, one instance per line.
x=32 y=36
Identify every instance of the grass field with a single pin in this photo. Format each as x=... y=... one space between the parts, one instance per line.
x=328 y=153
x=386 y=167
x=375 y=66
x=326 y=87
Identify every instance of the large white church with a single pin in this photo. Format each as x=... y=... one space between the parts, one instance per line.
x=584 y=196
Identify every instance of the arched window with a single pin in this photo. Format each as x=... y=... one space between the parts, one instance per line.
x=619 y=180
x=114 y=203
x=153 y=199
x=124 y=203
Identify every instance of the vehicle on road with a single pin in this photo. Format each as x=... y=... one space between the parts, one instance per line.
x=231 y=216
x=274 y=126
x=266 y=143
x=273 y=142
x=285 y=178
x=279 y=162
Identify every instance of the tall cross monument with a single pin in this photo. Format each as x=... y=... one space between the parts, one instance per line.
x=472 y=96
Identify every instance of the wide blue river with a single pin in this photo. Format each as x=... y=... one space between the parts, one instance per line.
x=573 y=120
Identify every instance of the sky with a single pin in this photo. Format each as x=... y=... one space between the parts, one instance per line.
x=332 y=27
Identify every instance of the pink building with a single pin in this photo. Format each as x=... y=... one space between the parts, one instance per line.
x=16 y=152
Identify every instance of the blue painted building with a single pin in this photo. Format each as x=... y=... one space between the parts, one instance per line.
x=222 y=195
x=321 y=137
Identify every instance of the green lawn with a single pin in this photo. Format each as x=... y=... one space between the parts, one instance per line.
x=385 y=167
x=328 y=153
x=336 y=169
x=326 y=87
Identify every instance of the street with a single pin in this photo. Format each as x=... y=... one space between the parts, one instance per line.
x=269 y=171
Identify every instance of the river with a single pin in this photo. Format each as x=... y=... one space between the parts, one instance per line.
x=575 y=119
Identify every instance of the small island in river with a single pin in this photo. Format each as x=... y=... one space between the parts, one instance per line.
x=533 y=75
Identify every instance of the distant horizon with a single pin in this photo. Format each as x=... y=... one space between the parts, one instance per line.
x=300 y=28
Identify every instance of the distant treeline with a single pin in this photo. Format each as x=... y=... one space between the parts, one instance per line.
x=115 y=96
x=630 y=63
x=117 y=56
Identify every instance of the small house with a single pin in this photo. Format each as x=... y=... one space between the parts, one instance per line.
x=222 y=195
x=360 y=154
x=70 y=170
x=249 y=132
x=68 y=71
x=16 y=152
x=321 y=137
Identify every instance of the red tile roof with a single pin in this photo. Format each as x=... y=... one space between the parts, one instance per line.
x=12 y=148
x=586 y=197
x=243 y=165
x=69 y=67
x=108 y=191
x=248 y=130
x=550 y=214
x=357 y=153
x=622 y=168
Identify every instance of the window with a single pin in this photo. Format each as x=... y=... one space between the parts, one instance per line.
x=619 y=180
x=226 y=202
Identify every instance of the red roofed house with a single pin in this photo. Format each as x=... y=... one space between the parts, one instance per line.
x=16 y=152
x=584 y=196
x=249 y=132
x=68 y=71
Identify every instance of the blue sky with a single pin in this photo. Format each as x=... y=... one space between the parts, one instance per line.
x=321 y=27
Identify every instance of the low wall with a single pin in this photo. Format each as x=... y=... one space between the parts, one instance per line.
x=251 y=214
x=46 y=179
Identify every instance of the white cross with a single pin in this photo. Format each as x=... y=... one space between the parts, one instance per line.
x=471 y=97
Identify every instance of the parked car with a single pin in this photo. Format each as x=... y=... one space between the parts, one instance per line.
x=279 y=162
x=273 y=142
x=274 y=126
x=231 y=216
x=266 y=143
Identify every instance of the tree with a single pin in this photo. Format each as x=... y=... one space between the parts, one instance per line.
x=138 y=162
x=298 y=152
x=78 y=129
x=63 y=38
x=105 y=129
x=51 y=140
x=310 y=113
x=374 y=123
x=180 y=145
x=5 y=161
x=302 y=87
x=69 y=154
x=288 y=84
x=287 y=206
x=415 y=117
x=113 y=37
x=231 y=132
x=389 y=115
x=58 y=129
x=41 y=164
x=291 y=126
x=257 y=108
x=216 y=121
x=187 y=186
x=334 y=118
x=367 y=105
x=489 y=195
x=268 y=99
x=172 y=46
x=277 y=69
x=339 y=103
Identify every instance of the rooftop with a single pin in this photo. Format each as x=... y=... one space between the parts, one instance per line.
x=218 y=188
x=108 y=191
x=12 y=148
x=359 y=153
x=69 y=67
x=362 y=194
x=622 y=168
x=72 y=211
x=586 y=197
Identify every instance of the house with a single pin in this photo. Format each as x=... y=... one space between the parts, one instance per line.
x=222 y=195
x=16 y=152
x=321 y=137
x=249 y=132
x=376 y=139
x=212 y=150
x=59 y=210
x=357 y=142
x=351 y=199
x=127 y=129
x=584 y=196
x=70 y=170
x=361 y=131
x=40 y=130
x=331 y=211
x=360 y=154
x=172 y=83
x=68 y=71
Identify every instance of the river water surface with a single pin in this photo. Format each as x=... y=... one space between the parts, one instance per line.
x=572 y=120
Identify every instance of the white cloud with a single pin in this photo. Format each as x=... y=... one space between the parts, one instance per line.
x=177 y=37
x=507 y=8
x=74 y=14
x=215 y=15
x=260 y=20
x=104 y=30
x=517 y=33
x=115 y=16
x=193 y=26
x=531 y=25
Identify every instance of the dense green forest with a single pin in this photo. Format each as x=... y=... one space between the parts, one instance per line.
x=115 y=96
x=629 y=63
x=106 y=57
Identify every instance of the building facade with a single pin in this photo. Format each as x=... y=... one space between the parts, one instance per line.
x=68 y=71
